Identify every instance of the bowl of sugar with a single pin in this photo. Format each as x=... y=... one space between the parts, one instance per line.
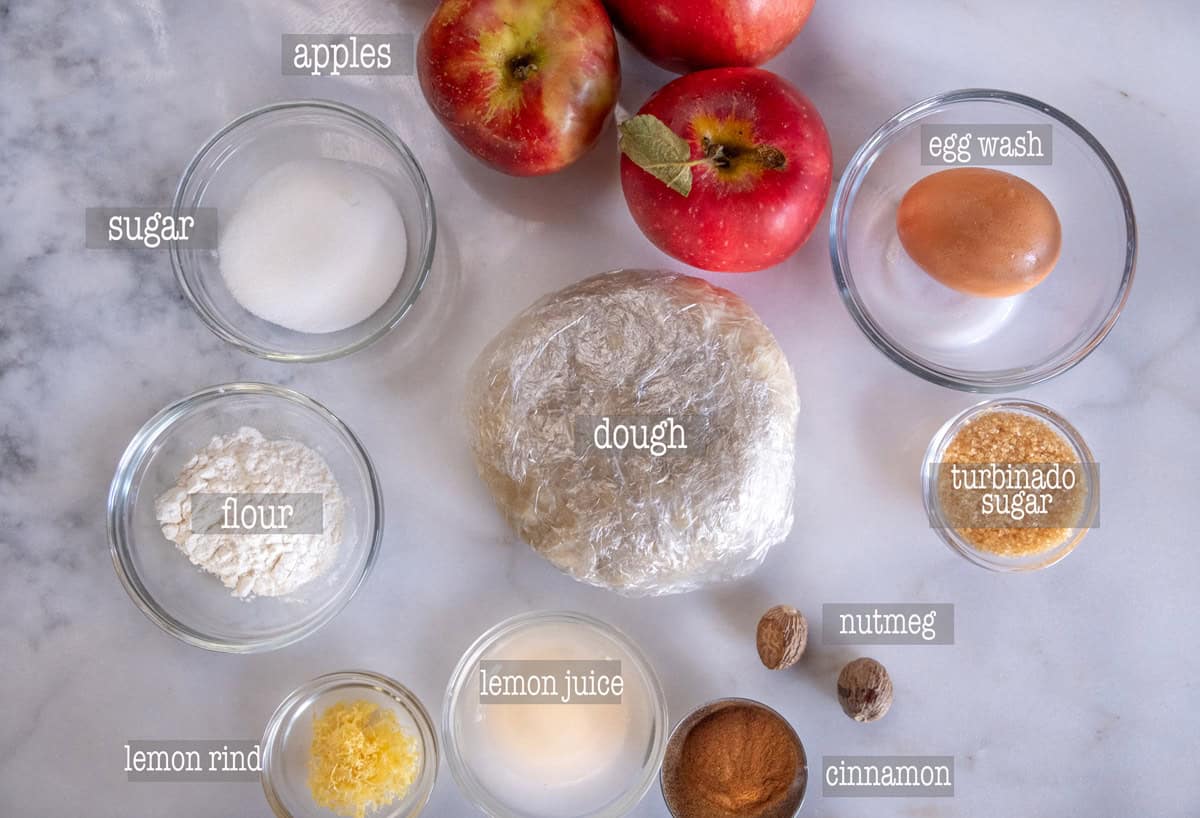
x=326 y=231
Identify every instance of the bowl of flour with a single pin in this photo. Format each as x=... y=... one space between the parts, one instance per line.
x=244 y=517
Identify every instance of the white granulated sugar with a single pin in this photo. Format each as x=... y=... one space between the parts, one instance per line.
x=247 y=463
x=316 y=245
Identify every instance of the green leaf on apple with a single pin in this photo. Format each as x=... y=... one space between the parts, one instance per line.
x=659 y=151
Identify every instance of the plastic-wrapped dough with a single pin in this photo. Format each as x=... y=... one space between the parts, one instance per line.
x=644 y=345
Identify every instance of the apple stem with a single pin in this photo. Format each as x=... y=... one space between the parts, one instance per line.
x=651 y=145
x=522 y=67
x=675 y=165
x=715 y=153
x=721 y=156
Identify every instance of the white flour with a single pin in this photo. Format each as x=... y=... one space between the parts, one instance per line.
x=254 y=564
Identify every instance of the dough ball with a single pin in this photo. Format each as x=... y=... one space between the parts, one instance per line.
x=635 y=344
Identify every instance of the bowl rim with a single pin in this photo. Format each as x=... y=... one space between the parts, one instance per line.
x=226 y=331
x=122 y=483
x=692 y=717
x=960 y=545
x=466 y=782
x=307 y=693
x=991 y=381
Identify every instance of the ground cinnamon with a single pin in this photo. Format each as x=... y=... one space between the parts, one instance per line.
x=739 y=761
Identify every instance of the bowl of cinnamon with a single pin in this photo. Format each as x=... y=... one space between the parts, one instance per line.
x=734 y=758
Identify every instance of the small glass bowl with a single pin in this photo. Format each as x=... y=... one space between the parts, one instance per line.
x=984 y=344
x=1089 y=516
x=255 y=143
x=791 y=805
x=287 y=741
x=462 y=766
x=194 y=606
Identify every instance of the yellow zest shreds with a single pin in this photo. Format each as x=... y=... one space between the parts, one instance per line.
x=361 y=759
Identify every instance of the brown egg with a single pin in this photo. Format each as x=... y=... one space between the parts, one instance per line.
x=980 y=231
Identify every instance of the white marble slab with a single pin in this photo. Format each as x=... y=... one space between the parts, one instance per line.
x=1069 y=692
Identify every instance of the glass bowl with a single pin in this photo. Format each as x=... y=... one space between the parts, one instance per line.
x=965 y=342
x=794 y=799
x=465 y=729
x=1090 y=511
x=194 y=606
x=255 y=143
x=287 y=741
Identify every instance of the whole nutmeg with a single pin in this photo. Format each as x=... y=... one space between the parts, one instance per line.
x=782 y=637
x=865 y=690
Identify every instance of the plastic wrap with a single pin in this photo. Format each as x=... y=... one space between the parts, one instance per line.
x=646 y=345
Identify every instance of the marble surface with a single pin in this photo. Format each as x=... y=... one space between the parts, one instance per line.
x=1069 y=692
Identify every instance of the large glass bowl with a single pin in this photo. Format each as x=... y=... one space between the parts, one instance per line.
x=966 y=342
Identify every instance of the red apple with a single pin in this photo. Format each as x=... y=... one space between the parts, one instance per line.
x=740 y=169
x=688 y=35
x=525 y=85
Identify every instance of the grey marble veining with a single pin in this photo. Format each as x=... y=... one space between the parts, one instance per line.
x=1069 y=692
